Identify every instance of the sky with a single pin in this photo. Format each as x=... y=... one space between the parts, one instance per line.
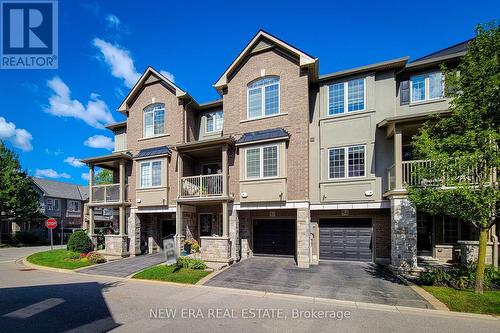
x=54 y=118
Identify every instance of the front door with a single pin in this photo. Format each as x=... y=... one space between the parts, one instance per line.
x=206 y=225
x=424 y=234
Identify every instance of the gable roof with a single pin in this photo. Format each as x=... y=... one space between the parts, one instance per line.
x=145 y=79
x=262 y=36
x=57 y=189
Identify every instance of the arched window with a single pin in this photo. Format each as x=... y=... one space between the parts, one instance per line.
x=154 y=120
x=264 y=97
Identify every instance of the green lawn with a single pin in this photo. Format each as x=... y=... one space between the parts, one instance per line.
x=172 y=274
x=466 y=300
x=57 y=259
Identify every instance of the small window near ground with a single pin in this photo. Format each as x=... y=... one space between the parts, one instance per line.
x=450 y=229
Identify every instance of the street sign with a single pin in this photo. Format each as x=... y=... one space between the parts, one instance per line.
x=51 y=223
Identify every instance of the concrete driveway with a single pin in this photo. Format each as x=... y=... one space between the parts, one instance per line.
x=351 y=281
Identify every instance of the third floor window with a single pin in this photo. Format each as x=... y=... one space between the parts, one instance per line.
x=346 y=96
x=214 y=121
x=154 y=120
x=426 y=87
x=263 y=97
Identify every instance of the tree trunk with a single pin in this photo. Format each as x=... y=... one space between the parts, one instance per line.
x=481 y=258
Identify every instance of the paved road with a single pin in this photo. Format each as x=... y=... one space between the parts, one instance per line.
x=11 y=254
x=43 y=301
x=350 y=281
x=126 y=267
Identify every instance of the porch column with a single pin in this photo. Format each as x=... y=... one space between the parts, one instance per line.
x=180 y=173
x=122 y=181
x=224 y=172
x=398 y=158
x=179 y=237
x=225 y=220
x=403 y=234
x=121 y=220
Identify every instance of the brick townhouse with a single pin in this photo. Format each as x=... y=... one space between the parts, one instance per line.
x=287 y=162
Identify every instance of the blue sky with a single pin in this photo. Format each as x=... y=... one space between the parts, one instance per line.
x=52 y=118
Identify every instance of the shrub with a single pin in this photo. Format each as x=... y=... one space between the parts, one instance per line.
x=459 y=277
x=195 y=246
x=95 y=258
x=79 y=242
x=73 y=255
x=83 y=255
x=185 y=262
x=26 y=237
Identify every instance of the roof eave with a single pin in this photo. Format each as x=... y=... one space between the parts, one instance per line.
x=432 y=61
x=384 y=65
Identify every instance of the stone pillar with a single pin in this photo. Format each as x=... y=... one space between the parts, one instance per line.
x=134 y=232
x=179 y=236
x=233 y=225
x=403 y=234
x=121 y=221
x=91 y=221
x=302 y=244
x=398 y=158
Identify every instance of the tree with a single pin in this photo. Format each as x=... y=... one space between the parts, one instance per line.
x=463 y=146
x=18 y=200
x=103 y=177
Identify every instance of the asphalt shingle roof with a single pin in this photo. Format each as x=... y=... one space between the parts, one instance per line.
x=268 y=134
x=457 y=48
x=154 y=152
x=57 y=189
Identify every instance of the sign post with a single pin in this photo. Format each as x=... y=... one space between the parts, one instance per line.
x=51 y=224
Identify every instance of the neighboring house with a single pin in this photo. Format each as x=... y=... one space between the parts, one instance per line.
x=59 y=200
x=286 y=162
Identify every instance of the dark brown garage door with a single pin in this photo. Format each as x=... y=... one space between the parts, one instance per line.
x=345 y=239
x=274 y=237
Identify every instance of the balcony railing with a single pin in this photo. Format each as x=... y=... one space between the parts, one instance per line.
x=106 y=193
x=201 y=186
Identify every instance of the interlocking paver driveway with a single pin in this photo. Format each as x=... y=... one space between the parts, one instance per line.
x=125 y=267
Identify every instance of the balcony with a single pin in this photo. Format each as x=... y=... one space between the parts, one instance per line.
x=202 y=186
x=106 y=193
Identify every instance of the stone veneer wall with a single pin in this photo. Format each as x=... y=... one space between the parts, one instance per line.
x=403 y=234
x=234 y=232
x=302 y=239
x=134 y=232
x=215 y=249
x=116 y=245
x=246 y=236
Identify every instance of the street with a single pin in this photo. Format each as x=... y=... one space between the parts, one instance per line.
x=46 y=301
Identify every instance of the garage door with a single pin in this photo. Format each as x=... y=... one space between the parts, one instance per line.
x=274 y=237
x=345 y=239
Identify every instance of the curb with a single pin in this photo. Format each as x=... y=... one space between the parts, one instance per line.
x=436 y=304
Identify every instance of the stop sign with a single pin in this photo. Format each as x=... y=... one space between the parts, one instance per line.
x=51 y=223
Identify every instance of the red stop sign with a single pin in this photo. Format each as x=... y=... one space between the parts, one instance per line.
x=51 y=223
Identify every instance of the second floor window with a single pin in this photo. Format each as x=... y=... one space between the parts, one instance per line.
x=264 y=97
x=73 y=206
x=426 y=87
x=346 y=162
x=214 y=121
x=151 y=174
x=154 y=120
x=262 y=162
x=53 y=204
x=341 y=102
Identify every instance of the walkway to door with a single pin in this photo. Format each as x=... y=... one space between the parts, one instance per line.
x=125 y=267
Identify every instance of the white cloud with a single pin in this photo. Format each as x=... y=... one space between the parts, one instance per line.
x=122 y=65
x=73 y=161
x=50 y=173
x=95 y=113
x=85 y=176
x=113 y=21
x=168 y=75
x=20 y=138
x=100 y=141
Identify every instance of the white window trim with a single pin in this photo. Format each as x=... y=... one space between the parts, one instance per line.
x=346 y=98
x=261 y=162
x=206 y=121
x=263 y=99
x=161 y=174
x=144 y=121
x=346 y=162
x=426 y=88
x=79 y=210
x=53 y=200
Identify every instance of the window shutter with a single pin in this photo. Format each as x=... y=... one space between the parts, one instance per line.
x=404 y=92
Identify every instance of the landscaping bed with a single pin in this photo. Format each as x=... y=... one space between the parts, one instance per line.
x=467 y=300
x=186 y=270
x=61 y=258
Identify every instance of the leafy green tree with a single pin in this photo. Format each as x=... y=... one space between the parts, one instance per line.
x=18 y=200
x=103 y=177
x=463 y=146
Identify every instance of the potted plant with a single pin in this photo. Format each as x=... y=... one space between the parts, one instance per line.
x=187 y=246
